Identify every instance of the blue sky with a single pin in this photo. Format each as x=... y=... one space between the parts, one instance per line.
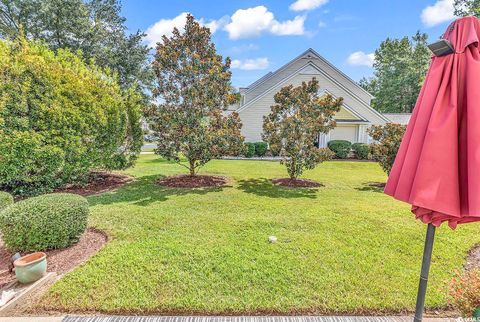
x=262 y=35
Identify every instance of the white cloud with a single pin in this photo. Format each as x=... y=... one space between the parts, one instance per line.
x=214 y=25
x=359 y=58
x=303 y=5
x=322 y=24
x=438 y=13
x=165 y=27
x=250 y=64
x=252 y=22
x=289 y=27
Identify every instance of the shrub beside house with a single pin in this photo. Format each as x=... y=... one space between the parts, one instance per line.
x=60 y=118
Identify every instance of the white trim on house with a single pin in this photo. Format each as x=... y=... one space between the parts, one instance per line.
x=345 y=106
x=362 y=133
x=323 y=140
x=339 y=71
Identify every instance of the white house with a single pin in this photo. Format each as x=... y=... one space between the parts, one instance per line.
x=353 y=119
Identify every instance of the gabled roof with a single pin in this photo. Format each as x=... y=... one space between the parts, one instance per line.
x=399 y=118
x=310 y=64
x=310 y=51
x=264 y=77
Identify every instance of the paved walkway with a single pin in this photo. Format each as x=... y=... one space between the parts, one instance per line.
x=221 y=319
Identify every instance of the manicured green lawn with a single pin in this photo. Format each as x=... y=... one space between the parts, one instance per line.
x=344 y=247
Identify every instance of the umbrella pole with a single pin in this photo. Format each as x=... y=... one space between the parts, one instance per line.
x=422 y=287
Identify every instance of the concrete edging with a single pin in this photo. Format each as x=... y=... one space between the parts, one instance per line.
x=24 y=293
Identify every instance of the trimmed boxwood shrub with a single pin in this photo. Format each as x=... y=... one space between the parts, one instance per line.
x=361 y=150
x=6 y=200
x=340 y=147
x=44 y=222
x=261 y=149
x=250 y=149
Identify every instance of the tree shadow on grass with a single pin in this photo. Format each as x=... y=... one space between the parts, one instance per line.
x=145 y=191
x=265 y=188
x=372 y=186
x=158 y=159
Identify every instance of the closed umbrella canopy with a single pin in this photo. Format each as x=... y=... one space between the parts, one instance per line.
x=437 y=168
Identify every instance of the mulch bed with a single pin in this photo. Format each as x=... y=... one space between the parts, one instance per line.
x=197 y=181
x=98 y=182
x=59 y=260
x=473 y=259
x=296 y=183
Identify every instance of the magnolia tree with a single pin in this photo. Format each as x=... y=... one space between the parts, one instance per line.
x=387 y=142
x=299 y=115
x=194 y=89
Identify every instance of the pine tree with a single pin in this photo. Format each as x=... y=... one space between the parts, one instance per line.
x=400 y=68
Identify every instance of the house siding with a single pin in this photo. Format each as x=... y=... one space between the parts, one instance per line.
x=252 y=117
x=259 y=97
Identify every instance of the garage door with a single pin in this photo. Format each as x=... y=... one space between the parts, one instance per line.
x=345 y=132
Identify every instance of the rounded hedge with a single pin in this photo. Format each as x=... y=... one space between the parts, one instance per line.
x=261 y=149
x=44 y=222
x=340 y=147
x=6 y=200
x=250 y=149
x=362 y=150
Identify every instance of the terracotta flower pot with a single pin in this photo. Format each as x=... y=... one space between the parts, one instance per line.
x=30 y=268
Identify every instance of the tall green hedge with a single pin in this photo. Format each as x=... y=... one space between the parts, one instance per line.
x=44 y=222
x=60 y=118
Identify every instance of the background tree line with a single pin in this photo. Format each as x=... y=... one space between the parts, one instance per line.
x=400 y=68
x=401 y=64
x=73 y=88
x=95 y=27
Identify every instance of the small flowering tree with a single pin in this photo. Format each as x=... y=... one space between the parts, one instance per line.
x=387 y=142
x=193 y=87
x=299 y=115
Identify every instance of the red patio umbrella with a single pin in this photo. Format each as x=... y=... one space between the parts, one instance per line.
x=437 y=168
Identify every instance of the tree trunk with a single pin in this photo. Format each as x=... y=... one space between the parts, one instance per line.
x=292 y=173
x=192 y=167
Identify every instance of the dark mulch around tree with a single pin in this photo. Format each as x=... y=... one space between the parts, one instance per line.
x=296 y=183
x=59 y=260
x=196 y=181
x=98 y=182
